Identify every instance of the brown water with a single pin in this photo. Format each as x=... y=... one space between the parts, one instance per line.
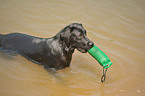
x=116 y=26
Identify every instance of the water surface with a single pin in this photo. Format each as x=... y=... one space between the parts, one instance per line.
x=115 y=26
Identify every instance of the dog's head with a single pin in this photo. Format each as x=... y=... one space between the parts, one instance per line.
x=75 y=36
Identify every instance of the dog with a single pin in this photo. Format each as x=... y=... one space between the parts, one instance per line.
x=55 y=52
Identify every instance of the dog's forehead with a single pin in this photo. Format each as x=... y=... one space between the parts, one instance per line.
x=78 y=28
x=78 y=32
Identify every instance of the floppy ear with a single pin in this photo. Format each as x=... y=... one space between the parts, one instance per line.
x=65 y=38
x=65 y=35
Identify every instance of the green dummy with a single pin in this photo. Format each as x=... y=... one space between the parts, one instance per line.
x=100 y=56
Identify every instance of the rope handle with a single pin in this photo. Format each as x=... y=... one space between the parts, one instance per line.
x=104 y=75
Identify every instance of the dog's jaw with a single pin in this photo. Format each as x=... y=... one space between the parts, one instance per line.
x=82 y=50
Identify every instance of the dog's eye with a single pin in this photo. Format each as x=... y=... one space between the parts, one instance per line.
x=80 y=37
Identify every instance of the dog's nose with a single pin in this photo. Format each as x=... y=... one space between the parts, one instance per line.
x=91 y=44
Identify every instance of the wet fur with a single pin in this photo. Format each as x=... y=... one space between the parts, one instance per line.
x=55 y=52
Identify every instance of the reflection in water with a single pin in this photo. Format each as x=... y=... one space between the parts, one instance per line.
x=102 y=89
x=116 y=27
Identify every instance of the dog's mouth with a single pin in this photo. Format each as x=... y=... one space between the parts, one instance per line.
x=82 y=50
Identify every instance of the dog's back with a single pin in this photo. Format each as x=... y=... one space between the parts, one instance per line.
x=20 y=42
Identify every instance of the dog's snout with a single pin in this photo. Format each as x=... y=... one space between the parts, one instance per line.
x=91 y=44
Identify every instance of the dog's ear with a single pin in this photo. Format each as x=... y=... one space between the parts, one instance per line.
x=65 y=38
x=65 y=33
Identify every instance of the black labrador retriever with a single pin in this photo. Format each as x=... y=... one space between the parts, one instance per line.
x=55 y=52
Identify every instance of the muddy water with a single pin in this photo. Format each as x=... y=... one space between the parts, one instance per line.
x=116 y=26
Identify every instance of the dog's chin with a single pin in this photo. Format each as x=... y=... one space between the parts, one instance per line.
x=82 y=50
